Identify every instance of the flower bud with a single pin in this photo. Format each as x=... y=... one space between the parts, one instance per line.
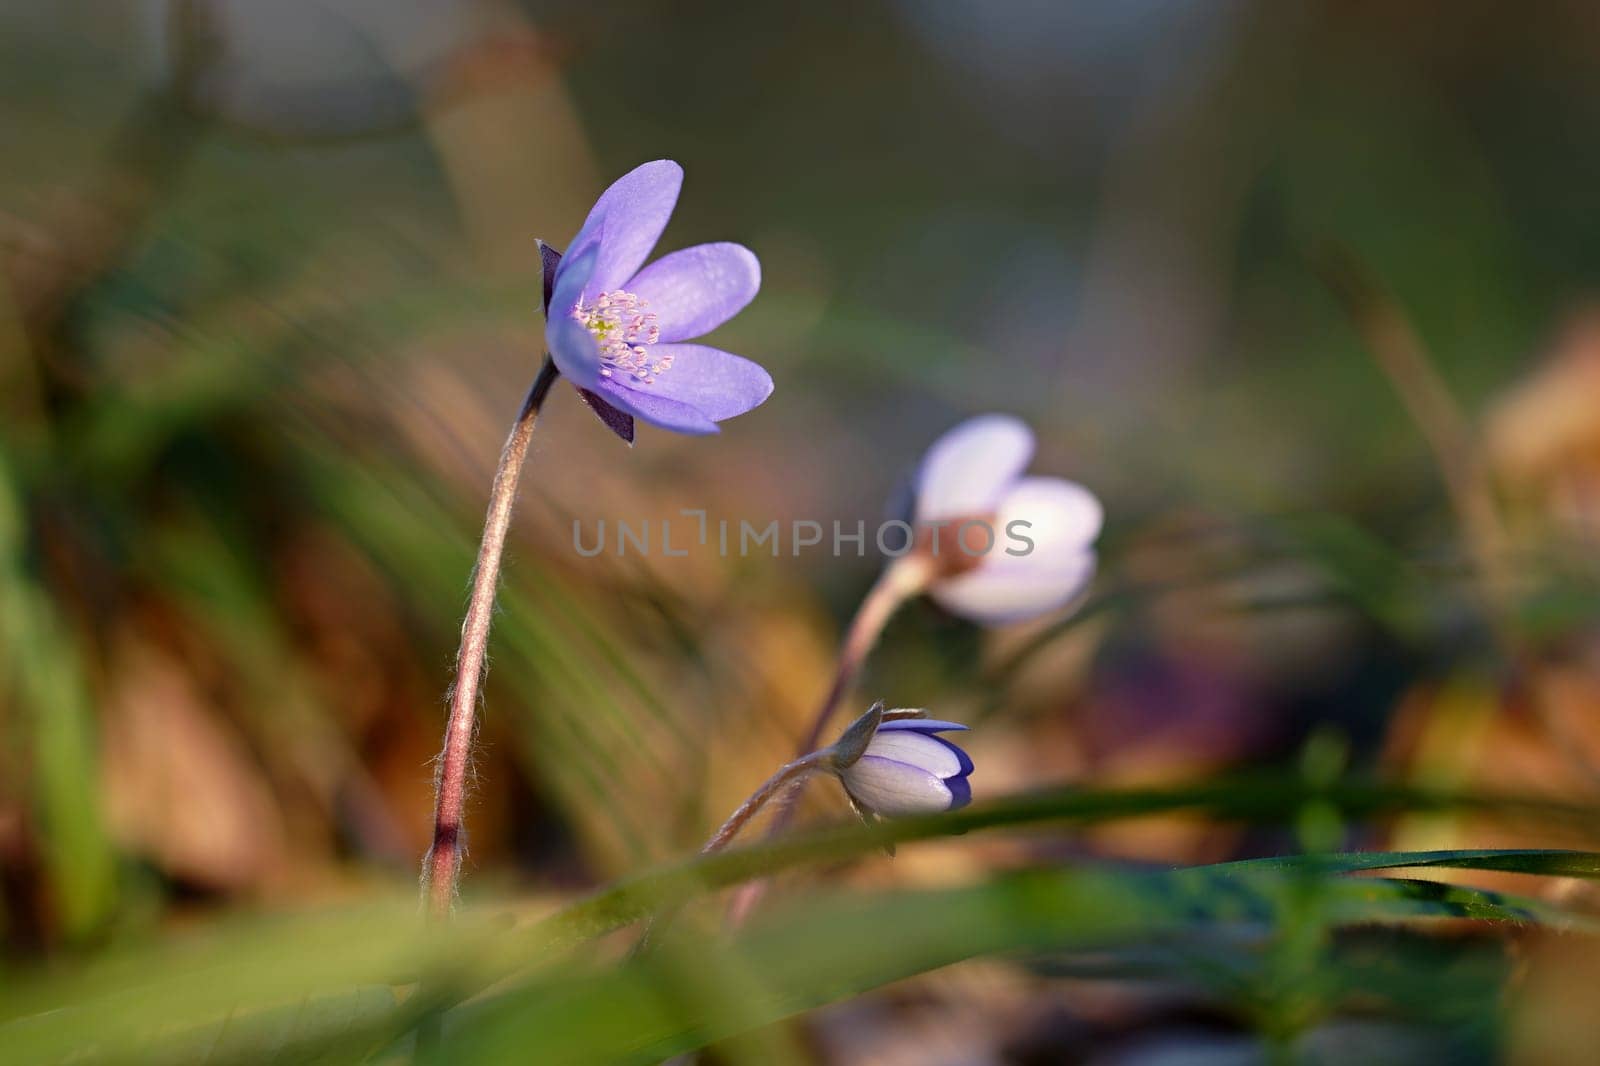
x=905 y=768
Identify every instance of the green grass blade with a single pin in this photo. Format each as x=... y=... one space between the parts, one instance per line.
x=649 y=1009
x=1544 y=863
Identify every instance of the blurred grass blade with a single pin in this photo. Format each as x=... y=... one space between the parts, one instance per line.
x=1248 y=798
x=190 y=987
x=43 y=672
x=1540 y=862
x=254 y=974
x=1361 y=567
x=640 y=1012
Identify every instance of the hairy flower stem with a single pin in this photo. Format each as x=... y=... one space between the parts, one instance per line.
x=442 y=865
x=903 y=579
x=790 y=775
x=788 y=778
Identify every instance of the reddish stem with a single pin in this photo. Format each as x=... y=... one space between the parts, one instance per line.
x=442 y=866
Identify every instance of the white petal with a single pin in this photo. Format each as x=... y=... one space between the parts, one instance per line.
x=1061 y=520
x=966 y=472
x=892 y=788
x=1002 y=593
x=916 y=749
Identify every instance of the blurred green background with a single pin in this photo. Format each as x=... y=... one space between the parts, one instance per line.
x=271 y=298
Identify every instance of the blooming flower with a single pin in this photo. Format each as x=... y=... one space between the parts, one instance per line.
x=619 y=332
x=907 y=769
x=1040 y=531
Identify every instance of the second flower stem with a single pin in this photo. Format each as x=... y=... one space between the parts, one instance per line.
x=442 y=865
x=901 y=580
x=788 y=778
x=789 y=775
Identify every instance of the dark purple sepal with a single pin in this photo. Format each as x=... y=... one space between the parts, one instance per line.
x=549 y=259
x=618 y=422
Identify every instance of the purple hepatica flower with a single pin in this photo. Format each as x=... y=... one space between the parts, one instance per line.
x=974 y=473
x=906 y=769
x=618 y=332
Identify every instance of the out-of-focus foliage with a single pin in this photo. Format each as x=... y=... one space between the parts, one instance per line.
x=269 y=298
x=343 y=986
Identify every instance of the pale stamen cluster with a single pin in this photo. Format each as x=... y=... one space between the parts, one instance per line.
x=625 y=327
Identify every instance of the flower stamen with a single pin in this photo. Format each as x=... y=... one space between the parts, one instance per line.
x=625 y=328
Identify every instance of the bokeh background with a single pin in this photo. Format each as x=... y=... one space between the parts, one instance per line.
x=1302 y=290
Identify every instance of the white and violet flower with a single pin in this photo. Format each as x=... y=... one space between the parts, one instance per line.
x=906 y=768
x=1040 y=530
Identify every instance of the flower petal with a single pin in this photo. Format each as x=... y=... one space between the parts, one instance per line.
x=960 y=792
x=1001 y=593
x=574 y=350
x=695 y=290
x=915 y=749
x=572 y=273
x=890 y=787
x=571 y=345
x=1061 y=520
x=1062 y=516
x=967 y=471
x=656 y=410
x=921 y=725
x=626 y=222
x=718 y=384
x=960 y=754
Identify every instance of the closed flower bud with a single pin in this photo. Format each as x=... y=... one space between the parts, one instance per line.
x=907 y=769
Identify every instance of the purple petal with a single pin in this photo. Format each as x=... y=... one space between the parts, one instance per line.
x=966 y=472
x=919 y=750
x=574 y=350
x=571 y=345
x=616 y=421
x=571 y=274
x=695 y=290
x=627 y=220
x=890 y=787
x=921 y=725
x=588 y=238
x=656 y=410
x=718 y=384
x=960 y=792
